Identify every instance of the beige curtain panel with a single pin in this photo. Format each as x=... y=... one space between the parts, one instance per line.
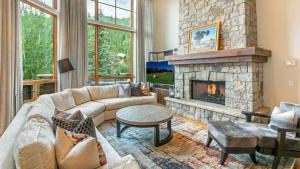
x=144 y=37
x=10 y=62
x=73 y=42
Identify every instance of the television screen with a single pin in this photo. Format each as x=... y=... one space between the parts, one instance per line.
x=160 y=72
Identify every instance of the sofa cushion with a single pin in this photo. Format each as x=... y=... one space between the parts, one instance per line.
x=91 y=108
x=63 y=100
x=229 y=135
x=117 y=103
x=103 y=92
x=81 y=95
x=34 y=147
x=76 y=150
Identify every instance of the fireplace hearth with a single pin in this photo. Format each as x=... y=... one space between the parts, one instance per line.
x=209 y=91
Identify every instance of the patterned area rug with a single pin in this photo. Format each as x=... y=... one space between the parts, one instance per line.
x=186 y=150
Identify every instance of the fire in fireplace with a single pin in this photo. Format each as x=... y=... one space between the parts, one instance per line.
x=209 y=91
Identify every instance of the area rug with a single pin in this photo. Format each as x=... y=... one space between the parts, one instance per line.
x=186 y=150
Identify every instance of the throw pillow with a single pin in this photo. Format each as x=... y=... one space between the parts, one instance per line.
x=69 y=122
x=35 y=146
x=124 y=90
x=77 y=151
x=86 y=127
x=146 y=92
x=283 y=119
x=136 y=89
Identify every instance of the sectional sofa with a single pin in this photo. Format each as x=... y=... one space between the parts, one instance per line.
x=99 y=102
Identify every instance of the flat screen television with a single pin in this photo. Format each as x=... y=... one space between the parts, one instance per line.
x=160 y=72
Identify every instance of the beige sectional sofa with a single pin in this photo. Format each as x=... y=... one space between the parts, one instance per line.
x=100 y=103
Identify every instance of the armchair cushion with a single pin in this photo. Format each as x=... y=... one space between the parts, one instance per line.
x=282 y=119
x=286 y=106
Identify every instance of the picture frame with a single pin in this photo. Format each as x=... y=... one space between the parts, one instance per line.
x=204 y=38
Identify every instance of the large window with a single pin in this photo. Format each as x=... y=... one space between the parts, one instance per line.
x=38 y=20
x=110 y=40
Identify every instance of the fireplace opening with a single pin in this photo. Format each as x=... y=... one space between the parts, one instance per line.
x=209 y=91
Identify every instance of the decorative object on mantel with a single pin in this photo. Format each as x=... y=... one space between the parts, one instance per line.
x=171 y=93
x=204 y=38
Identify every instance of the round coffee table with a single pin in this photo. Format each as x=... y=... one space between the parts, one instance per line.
x=145 y=116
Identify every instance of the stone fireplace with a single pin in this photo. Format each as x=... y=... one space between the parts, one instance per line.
x=220 y=84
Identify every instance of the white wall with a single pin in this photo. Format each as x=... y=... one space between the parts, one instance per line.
x=279 y=31
x=166 y=24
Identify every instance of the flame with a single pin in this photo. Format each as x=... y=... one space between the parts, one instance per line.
x=211 y=89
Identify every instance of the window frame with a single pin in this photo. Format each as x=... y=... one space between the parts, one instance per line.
x=98 y=26
x=53 y=12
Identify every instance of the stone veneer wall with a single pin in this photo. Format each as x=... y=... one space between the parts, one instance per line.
x=243 y=82
x=237 y=17
x=201 y=114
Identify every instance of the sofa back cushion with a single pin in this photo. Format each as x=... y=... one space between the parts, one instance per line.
x=103 y=92
x=81 y=95
x=63 y=100
x=35 y=146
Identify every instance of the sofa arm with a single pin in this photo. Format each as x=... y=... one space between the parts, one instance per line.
x=128 y=162
x=155 y=96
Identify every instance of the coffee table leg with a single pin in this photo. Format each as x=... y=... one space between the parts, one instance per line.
x=156 y=136
x=118 y=129
x=157 y=140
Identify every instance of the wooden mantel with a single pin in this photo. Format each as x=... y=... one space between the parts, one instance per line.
x=249 y=54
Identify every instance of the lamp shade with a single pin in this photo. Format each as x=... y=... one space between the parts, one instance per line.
x=64 y=65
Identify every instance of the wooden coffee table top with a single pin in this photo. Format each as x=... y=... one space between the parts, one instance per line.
x=144 y=115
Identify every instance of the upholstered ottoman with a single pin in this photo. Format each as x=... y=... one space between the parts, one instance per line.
x=232 y=139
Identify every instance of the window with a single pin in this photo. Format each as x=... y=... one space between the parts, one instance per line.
x=39 y=48
x=111 y=34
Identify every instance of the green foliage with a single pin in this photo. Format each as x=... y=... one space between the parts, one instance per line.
x=112 y=45
x=37 y=42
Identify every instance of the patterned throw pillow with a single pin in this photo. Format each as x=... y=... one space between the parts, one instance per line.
x=136 y=89
x=74 y=122
x=124 y=90
x=87 y=127
x=66 y=120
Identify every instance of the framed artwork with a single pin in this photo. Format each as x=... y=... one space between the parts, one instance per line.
x=204 y=38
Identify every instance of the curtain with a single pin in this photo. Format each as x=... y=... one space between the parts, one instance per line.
x=10 y=62
x=144 y=37
x=73 y=42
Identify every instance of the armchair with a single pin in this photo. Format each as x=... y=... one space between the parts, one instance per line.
x=280 y=144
